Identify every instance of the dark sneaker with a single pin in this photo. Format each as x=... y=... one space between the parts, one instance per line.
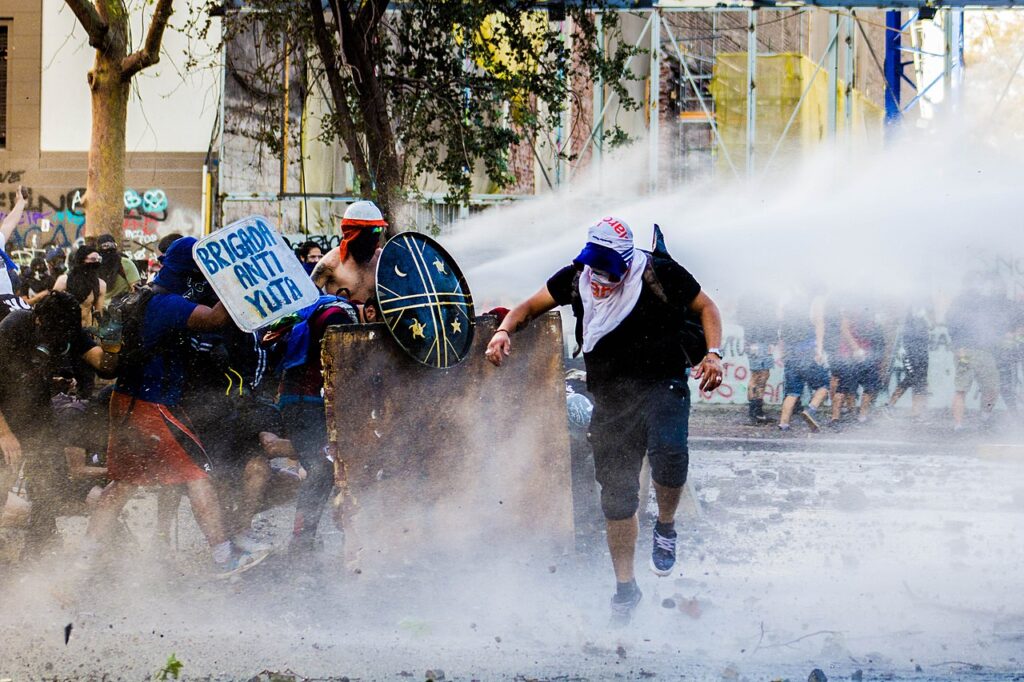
x=663 y=553
x=239 y=562
x=623 y=607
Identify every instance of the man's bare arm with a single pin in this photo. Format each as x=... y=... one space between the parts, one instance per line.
x=709 y=370
x=14 y=217
x=204 y=319
x=517 y=318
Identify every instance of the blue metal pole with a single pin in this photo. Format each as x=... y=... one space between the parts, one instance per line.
x=893 y=65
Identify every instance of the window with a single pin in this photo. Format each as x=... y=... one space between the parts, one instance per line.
x=3 y=87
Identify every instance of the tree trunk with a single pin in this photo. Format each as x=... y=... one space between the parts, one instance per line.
x=104 y=194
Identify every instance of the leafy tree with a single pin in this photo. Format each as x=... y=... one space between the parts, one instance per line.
x=106 y=24
x=432 y=87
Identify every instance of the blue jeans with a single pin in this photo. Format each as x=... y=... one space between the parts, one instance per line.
x=650 y=418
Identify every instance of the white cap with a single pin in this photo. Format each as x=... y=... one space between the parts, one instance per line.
x=363 y=213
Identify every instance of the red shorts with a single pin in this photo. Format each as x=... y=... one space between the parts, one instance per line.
x=152 y=444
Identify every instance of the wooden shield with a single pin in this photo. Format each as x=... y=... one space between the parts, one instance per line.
x=449 y=457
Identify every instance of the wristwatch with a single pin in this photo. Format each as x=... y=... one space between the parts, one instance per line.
x=717 y=351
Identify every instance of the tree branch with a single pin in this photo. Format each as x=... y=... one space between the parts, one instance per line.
x=95 y=27
x=337 y=86
x=150 y=52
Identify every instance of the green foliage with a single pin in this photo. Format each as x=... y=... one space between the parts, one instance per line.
x=172 y=669
x=462 y=82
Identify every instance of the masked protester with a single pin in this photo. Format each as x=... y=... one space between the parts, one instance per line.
x=36 y=284
x=118 y=271
x=83 y=281
x=152 y=441
x=309 y=254
x=8 y=269
x=300 y=400
x=349 y=270
x=34 y=346
x=629 y=306
x=56 y=262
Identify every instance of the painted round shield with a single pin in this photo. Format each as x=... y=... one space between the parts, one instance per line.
x=424 y=300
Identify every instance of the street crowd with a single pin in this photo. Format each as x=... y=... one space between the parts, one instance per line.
x=847 y=353
x=117 y=377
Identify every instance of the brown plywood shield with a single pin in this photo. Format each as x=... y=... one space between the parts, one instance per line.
x=449 y=458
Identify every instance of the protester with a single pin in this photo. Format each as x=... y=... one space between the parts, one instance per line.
x=35 y=346
x=8 y=272
x=37 y=283
x=802 y=332
x=861 y=349
x=915 y=342
x=977 y=325
x=760 y=333
x=349 y=269
x=83 y=281
x=631 y=304
x=56 y=262
x=118 y=271
x=309 y=254
x=152 y=441
x=166 y=241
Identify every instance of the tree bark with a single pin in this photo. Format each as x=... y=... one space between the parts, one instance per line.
x=104 y=189
x=354 y=36
x=106 y=24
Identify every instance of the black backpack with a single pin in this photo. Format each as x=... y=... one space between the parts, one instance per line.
x=129 y=313
x=694 y=344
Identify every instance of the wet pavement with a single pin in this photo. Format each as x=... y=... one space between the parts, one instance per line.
x=890 y=552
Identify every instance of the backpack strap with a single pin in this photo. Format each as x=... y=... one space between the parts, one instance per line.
x=577 y=311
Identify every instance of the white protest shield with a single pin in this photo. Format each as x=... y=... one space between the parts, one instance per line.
x=254 y=272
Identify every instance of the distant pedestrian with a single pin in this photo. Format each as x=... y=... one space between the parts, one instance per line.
x=802 y=332
x=760 y=333
x=915 y=341
x=978 y=323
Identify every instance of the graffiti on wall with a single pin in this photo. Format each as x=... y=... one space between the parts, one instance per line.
x=60 y=220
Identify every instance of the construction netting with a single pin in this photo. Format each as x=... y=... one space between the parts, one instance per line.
x=780 y=81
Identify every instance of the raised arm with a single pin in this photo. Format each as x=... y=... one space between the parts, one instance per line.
x=14 y=217
x=517 y=318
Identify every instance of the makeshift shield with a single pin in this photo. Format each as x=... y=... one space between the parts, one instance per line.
x=424 y=300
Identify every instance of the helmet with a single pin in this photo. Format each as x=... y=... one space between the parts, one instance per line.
x=363 y=213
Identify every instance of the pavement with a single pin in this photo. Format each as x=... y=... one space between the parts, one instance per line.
x=727 y=427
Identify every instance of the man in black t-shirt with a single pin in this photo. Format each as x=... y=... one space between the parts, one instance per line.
x=34 y=346
x=631 y=306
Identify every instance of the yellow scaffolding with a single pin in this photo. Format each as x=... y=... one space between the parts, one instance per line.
x=781 y=80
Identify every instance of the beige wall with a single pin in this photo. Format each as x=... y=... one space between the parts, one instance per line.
x=168 y=184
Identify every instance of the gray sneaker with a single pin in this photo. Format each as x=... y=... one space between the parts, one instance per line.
x=239 y=562
x=623 y=607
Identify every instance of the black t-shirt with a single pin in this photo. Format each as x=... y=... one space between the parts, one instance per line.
x=26 y=374
x=647 y=345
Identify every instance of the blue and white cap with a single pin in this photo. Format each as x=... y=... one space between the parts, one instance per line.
x=609 y=247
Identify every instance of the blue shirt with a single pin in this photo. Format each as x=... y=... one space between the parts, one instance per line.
x=161 y=378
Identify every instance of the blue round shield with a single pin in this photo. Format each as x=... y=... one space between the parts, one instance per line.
x=424 y=300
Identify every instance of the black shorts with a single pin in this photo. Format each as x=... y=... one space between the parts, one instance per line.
x=859 y=373
x=651 y=419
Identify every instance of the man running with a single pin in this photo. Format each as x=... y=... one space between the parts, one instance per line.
x=630 y=307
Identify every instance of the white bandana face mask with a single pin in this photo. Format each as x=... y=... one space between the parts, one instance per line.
x=601 y=284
